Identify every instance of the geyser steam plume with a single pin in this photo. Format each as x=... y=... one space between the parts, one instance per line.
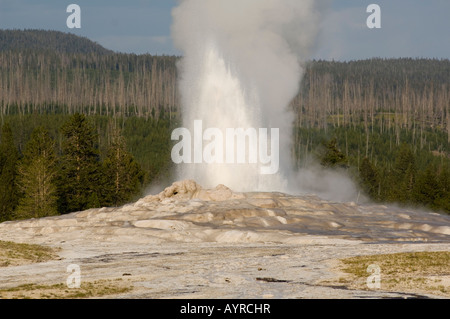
x=241 y=68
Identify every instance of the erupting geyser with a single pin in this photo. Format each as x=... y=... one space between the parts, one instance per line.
x=240 y=69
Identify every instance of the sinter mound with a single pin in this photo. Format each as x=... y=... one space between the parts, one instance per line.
x=186 y=212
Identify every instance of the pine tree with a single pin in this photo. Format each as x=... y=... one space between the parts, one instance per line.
x=369 y=178
x=79 y=178
x=37 y=172
x=426 y=190
x=9 y=157
x=443 y=180
x=124 y=176
x=403 y=175
x=333 y=157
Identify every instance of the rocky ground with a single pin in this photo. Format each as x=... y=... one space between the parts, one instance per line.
x=190 y=242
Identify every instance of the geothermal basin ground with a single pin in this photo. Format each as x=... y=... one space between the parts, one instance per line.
x=190 y=242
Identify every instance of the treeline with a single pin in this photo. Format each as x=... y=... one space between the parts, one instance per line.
x=388 y=121
x=50 y=81
x=406 y=175
x=52 y=77
x=383 y=93
x=49 y=168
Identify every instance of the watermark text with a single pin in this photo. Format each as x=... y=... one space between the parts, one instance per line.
x=234 y=146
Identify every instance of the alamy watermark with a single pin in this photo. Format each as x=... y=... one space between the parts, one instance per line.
x=74 y=19
x=374 y=280
x=232 y=146
x=74 y=279
x=374 y=20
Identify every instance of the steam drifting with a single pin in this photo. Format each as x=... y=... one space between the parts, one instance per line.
x=241 y=67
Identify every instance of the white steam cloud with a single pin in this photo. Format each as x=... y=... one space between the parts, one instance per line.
x=241 y=67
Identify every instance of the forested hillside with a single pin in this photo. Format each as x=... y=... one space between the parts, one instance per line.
x=411 y=93
x=59 y=79
x=43 y=40
x=386 y=122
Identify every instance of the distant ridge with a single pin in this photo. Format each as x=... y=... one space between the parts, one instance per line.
x=19 y=40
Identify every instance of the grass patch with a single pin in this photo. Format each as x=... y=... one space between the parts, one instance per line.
x=14 y=254
x=94 y=289
x=417 y=272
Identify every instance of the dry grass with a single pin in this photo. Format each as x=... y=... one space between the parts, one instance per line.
x=417 y=272
x=14 y=254
x=95 y=289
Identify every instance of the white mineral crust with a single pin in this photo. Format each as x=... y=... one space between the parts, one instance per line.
x=192 y=242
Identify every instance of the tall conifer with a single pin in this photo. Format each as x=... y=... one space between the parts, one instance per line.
x=123 y=175
x=369 y=180
x=9 y=157
x=79 y=176
x=37 y=172
x=403 y=175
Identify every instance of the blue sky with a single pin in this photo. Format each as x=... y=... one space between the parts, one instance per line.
x=410 y=28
